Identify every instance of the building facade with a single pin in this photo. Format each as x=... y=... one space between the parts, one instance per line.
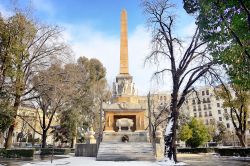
x=26 y=123
x=204 y=105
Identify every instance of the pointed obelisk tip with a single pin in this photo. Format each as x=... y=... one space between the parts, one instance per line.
x=124 y=44
x=124 y=10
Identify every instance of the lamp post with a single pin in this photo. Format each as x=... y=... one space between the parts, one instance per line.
x=233 y=138
x=53 y=147
x=100 y=127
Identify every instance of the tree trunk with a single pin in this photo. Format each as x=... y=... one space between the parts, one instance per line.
x=1 y=139
x=73 y=141
x=44 y=137
x=9 y=138
x=241 y=138
x=170 y=138
x=8 y=141
x=170 y=133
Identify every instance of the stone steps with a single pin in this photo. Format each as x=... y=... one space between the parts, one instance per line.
x=119 y=151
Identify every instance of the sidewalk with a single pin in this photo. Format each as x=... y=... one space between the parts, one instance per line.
x=90 y=161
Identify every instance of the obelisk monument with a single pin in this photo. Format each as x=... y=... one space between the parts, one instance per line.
x=123 y=87
x=124 y=44
x=124 y=116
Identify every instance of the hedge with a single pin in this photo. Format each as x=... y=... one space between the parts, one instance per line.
x=243 y=152
x=57 y=151
x=2 y=151
x=196 y=150
x=18 y=153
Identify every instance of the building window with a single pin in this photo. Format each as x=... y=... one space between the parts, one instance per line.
x=164 y=98
x=226 y=117
x=199 y=108
x=208 y=100
x=195 y=115
x=199 y=101
x=220 y=118
x=210 y=113
x=206 y=121
x=218 y=104
x=207 y=92
x=217 y=98
x=209 y=106
x=205 y=114
x=225 y=110
x=204 y=100
x=228 y=125
x=205 y=107
x=193 y=101
x=203 y=93
x=194 y=109
x=219 y=112
x=200 y=114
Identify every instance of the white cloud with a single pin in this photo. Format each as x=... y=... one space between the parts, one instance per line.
x=4 y=11
x=188 y=31
x=88 y=42
x=44 y=6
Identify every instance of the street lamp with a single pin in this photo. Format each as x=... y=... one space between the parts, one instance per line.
x=53 y=147
x=233 y=138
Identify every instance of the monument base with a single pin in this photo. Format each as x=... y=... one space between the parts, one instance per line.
x=86 y=150
x=137 y=136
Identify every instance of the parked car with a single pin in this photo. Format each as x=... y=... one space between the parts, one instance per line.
x=28 y=145
x=37 y=146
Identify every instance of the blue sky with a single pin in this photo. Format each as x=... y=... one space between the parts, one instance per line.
x=92 y=29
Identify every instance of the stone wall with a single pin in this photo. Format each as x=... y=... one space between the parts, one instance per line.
x=86 y=150
x=141 y=136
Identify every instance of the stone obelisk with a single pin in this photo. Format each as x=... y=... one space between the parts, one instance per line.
x=123 y=87
x=124 y=44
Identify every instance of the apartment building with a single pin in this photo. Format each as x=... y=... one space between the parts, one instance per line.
x=26 y=123
x=203 y=104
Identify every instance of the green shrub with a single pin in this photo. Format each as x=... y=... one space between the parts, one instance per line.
x=17 y=153
x=57 y=151
x=196 y=150
x=2 y=151
x=243 y=152
x=194 y=133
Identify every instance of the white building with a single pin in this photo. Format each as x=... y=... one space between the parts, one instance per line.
x=206 y=106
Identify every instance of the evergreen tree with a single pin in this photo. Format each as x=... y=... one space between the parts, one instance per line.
x=225 y=25
x=194 y=133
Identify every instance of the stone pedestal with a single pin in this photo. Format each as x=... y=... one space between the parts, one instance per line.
x=116 y=111
x=90 y=136
x=86 y=150
x=138 y=136
x=159 y=136
x=159 y=144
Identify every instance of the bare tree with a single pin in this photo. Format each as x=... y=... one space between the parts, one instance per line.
x=36 y=45
x=186 y=65
x=51 y=91
x=237 y=99
x=70 y=93
x=158 y=114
